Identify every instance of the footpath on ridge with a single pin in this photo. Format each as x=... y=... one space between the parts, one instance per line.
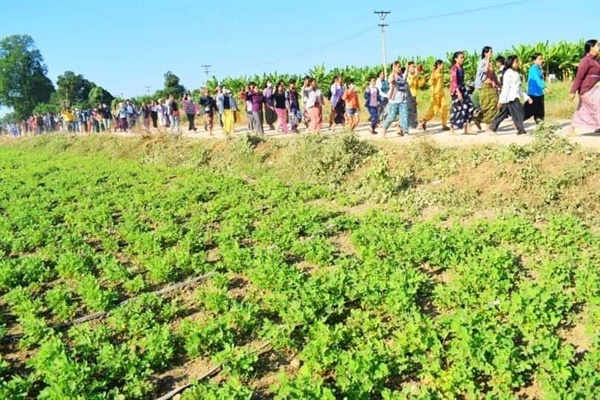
x=506 y=134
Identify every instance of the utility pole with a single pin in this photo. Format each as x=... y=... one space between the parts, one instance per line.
x=382 y=25
x=147 y=89
x=206 y=71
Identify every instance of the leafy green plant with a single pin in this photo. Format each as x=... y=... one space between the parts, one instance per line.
x=93 y=295
x=475 y=274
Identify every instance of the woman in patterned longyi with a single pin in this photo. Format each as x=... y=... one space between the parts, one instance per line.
x=461 y=114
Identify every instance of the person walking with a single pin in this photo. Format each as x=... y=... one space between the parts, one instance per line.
x=270 y=114
x=257 y=99
x=244 y=97
x=510 y=95
x=462 y=106
x=384 y=87
x=304 y=93
x=220 y=96
x=161 y=113
x=48 y=122
x=372 y=101
x=131 y=115
x=536 y=89
x=485 y=97
x=229 y=110
x=106 y=117
x=39 y=124
x=145 y=112
x=295 y=115
x=398 y=101
x=500 y=61
x=173 y=114
x=587 y=86
x=439 y=102
x=415 y=81
x=336 y=94
x=154 y=114
x=209 y=106
x=314 y=106
x=350 y=98
x=122 y=113
x=190 y=111
x=279 y=101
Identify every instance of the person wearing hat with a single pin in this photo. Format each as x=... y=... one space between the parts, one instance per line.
x=229 y=109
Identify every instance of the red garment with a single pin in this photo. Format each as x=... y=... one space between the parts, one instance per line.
x=454 y=86
x=588 y=74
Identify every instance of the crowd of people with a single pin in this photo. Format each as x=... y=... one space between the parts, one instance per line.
x=495 y=95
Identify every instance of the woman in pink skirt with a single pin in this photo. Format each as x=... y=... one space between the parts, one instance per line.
x=587 y=85
x=279 y=101
x=314 y=106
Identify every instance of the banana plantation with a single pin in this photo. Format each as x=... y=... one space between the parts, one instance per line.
x=561 y=59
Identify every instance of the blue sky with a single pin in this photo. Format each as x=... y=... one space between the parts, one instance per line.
x=129 y=44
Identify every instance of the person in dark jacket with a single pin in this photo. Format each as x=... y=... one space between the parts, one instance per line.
x=209 y=106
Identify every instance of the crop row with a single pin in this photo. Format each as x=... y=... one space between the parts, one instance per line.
x=403 y=309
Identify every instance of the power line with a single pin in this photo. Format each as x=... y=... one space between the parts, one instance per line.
x=451 y=14
x=206 y=71
x=367 y=30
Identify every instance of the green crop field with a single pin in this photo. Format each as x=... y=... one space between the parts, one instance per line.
x=318 y=267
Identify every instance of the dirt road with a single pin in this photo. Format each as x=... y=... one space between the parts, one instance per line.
x=506 y=135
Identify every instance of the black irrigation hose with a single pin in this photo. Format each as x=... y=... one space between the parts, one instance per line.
x=212 y=372
x=265 y=348
x=100 y=314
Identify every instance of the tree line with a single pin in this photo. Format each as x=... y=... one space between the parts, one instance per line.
x=27 y=90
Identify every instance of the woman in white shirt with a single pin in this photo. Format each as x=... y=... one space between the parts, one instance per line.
x=160 y=112
x=314 y=106
x=510 y=96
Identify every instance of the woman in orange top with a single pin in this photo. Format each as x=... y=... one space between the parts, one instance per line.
x=352 y=106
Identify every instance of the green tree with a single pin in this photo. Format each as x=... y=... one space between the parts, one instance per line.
x=99 y=95
x=43 y=108
x=23 y=80
x=8 y=118
x=73 y=89
x=173 y=85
